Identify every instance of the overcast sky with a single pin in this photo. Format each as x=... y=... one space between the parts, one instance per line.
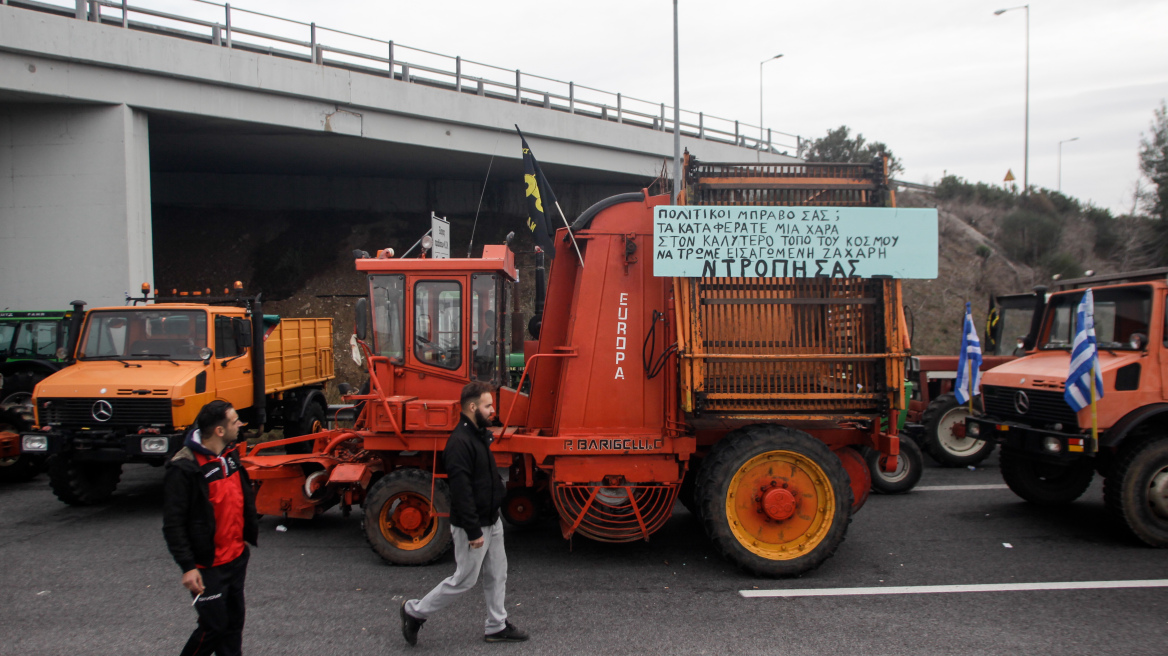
x=941 y=82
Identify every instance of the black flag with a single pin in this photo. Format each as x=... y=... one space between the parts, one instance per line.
x=540 y=200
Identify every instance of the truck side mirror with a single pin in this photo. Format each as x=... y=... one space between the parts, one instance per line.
x=242 y=333
x=361 y=320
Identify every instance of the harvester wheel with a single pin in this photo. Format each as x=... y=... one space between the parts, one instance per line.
x=83 y=483
x=1136 y=492
x=774 y=500
x=944 y=439
x=1043 y=483
x=521 y=507
x=399 y=522
x=909 y=466
x=311 y=422
x=21 y=467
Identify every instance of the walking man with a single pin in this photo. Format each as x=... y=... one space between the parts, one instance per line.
x=476 y=492
x=208 y=514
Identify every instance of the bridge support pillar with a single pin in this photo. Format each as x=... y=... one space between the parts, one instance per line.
x=74 y=204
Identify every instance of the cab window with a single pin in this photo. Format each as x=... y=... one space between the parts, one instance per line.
x=485 y=342
x=36 y=339
x=389 y=298
x=225 y=346
x=438 y=323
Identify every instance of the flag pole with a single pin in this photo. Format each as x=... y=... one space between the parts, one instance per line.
x=570 y=235
x=1094 y=416
x=969 y=370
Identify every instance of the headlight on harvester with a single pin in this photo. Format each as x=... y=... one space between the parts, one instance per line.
x=972 y=429
x=34 y=443
x=155 y=444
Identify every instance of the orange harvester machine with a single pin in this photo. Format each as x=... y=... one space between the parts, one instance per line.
x=745 y=396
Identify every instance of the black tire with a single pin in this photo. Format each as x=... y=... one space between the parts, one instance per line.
x=688 y=494
x=386 y=497
x=909 y=467
x=311 y=422
x=521 y=507
x=744 y=459
x=1136 y=492
x=939 y=441
x=1043 y=483
x=83 y=483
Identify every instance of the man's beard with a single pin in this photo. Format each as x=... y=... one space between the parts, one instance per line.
x=481 y=420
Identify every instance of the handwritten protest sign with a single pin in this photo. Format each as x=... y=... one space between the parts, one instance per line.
x=756 y=242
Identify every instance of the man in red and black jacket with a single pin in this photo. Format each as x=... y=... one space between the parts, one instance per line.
x=208 y=515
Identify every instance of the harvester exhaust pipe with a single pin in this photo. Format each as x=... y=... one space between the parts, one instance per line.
x=259 y=386
x=1035 y=319
x=536 y=322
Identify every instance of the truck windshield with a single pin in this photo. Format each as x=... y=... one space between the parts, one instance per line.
x=144 y=334
x=1120 y=314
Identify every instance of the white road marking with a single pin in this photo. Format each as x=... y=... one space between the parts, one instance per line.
x=950 y=488
x=934 y=589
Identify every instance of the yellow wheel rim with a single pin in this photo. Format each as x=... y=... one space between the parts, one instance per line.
x=790 y=537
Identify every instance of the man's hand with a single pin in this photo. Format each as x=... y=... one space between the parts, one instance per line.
x=478 y=544
x=193 y=581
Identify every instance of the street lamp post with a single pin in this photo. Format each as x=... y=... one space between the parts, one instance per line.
x=1060 y=163
x=1026 y=152
x=761 y=131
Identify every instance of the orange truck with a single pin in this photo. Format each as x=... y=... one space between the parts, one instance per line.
x=143 y=371
x=1048 y=455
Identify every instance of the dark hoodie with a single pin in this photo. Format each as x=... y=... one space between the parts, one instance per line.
x=188 y=512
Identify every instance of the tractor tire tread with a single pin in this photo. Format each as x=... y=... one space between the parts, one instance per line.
x=420 y=480
x=1121 y=492
x=931 y=440
x=719 y=468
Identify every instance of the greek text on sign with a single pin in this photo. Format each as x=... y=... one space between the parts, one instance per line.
x=695 y=241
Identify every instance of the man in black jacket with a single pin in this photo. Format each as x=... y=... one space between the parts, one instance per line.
x=476 y=492
x=208 y=514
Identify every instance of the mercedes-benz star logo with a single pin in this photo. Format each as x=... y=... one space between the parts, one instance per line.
x=102 y=410
x=1021 y=402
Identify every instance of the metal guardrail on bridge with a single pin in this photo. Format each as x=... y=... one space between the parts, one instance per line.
x=252 y=31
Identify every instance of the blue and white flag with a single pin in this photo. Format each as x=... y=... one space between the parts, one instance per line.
x=1084 y=358
x=967 y=386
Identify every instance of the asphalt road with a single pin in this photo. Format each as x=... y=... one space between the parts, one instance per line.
x=99 y=581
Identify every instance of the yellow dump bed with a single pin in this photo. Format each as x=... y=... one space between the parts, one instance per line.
x=297 y=352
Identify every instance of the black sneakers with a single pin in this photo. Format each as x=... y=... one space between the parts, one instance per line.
x=411 y=625
x=510 y=633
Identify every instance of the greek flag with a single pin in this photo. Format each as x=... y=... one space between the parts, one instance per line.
x=967 y=386
x=1084 y=358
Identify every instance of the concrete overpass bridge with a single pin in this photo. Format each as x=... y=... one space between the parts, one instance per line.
x=119 y=123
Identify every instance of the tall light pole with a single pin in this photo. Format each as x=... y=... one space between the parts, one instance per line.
x=1026 y=153
x=760 y=128
x=676 y=113
x=1060 y=166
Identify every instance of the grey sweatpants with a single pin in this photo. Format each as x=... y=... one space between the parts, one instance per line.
x=491 y=559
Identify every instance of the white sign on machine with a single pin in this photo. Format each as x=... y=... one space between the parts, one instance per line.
x=440 y=233
x=801 y=242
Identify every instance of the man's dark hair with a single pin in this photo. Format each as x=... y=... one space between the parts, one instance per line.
x=473 y=391
x=213 y=414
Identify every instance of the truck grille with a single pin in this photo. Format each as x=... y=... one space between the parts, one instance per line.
x=1045 y=407
x=122 y=412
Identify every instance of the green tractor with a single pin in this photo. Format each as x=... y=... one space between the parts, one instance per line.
x=33 y=345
